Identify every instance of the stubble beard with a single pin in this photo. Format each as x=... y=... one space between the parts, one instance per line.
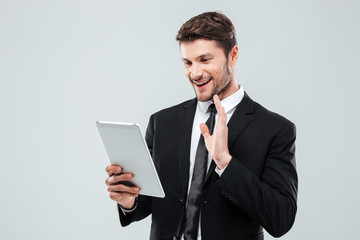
x=219 y=88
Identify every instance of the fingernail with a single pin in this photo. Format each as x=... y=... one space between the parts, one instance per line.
x=128 y=176
x=118 y=169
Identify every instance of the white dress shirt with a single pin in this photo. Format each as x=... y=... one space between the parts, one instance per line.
x=201 y=115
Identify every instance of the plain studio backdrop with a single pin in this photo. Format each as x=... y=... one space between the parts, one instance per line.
x=66 y=64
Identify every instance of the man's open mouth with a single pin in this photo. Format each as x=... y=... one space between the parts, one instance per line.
x=201 y=83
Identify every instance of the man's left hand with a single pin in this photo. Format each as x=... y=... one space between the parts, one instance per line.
x=217 y=143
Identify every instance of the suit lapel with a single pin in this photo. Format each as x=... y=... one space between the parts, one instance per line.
x=240 y=118
x=186 y=119
x=238 y=122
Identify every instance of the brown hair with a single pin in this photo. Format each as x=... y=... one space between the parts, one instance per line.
x=211 y=26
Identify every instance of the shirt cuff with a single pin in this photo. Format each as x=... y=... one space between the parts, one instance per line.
x=125 y=211
x=220 y=172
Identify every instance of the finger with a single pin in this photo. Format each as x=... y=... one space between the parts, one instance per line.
x=123 y=188
x=219 y=108
x=217 y=103
x=222 y=116
x=115 y=179
x=221 y=112
x=118 y=196
x=123 y=177
x=204 y=130
x=113 y=169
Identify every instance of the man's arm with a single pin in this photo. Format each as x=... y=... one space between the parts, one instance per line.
x=126 y=196
x=270 y=199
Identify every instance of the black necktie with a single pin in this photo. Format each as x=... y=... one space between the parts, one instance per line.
x=194 y=198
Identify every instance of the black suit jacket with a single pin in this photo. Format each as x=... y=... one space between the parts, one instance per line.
x=257 y=190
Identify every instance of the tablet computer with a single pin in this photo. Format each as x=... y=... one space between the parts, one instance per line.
x=126 y=146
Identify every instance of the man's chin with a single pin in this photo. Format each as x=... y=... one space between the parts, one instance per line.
x=205 y=94
x=203 y=97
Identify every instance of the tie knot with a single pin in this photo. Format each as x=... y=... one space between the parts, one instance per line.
x=212 y=108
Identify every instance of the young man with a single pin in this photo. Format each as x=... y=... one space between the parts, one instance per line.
x=229 y=182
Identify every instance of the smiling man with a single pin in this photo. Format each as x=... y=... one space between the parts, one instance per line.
x=227 y=178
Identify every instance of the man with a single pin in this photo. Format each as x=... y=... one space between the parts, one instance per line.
x=250 y=180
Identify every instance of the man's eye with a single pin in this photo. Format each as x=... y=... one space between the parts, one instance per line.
x=187 y=63
x=204 y=60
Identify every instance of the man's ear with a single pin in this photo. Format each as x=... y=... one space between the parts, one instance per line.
x=233 y=55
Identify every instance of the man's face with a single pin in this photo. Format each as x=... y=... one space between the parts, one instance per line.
x=207 y=68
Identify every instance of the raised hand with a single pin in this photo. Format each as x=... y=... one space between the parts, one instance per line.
x=217 y=143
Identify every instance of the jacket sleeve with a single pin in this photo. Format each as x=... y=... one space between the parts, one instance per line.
x=270 y=199
x=144 y=203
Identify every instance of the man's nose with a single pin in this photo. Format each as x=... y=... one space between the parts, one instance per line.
x=196 y=72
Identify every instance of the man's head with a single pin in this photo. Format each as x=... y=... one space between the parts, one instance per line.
x=209 y=51
x=210 y=26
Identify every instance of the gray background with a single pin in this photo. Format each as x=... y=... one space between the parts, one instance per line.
x=66 y=64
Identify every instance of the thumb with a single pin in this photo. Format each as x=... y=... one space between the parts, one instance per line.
x=204 y=130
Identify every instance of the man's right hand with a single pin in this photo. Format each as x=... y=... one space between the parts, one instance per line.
x=120 y=192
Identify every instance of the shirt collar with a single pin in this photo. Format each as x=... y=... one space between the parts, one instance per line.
x=228 y=103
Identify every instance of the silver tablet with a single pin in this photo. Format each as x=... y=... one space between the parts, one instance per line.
x=126 y=146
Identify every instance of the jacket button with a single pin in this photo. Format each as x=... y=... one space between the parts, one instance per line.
x=181 y=202
x=205 y=202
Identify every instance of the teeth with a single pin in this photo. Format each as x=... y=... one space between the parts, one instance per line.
x=201 y=83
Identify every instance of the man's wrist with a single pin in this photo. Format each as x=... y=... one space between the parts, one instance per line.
x=129 y=210
x=223 y=163
x=219 y=172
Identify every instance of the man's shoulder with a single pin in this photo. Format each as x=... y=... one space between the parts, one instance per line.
x=270 y=117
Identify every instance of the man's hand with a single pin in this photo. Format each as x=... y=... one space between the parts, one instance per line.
x=217 y=144
x=120 y=192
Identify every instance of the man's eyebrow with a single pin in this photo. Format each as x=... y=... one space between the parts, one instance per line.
x=199 y=57
x=205 y=55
